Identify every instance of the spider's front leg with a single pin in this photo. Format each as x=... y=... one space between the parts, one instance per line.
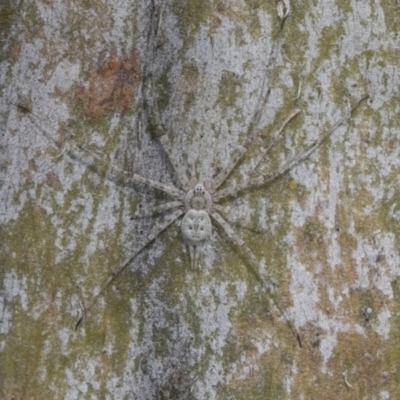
x=72 y=145
x=288 y=165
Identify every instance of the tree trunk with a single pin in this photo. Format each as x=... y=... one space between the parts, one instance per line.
x=148 y=84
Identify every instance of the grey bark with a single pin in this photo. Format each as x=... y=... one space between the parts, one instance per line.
x=113 y=77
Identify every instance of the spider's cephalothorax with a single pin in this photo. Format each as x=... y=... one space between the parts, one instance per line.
x=198 y=198
x=196 y=224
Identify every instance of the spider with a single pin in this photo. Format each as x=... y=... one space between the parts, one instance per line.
x=197 y=201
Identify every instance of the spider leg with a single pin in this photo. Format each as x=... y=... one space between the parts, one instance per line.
x=240 y=152
x=160 y=208
x=150 y=238
x=237 y=240
x=252 y=133
x=220 y=178
x=193 y=176
x=128 y=176
x=270 y=286
x=155 y=112
x=265 y=178
x=63 y=150
x=132 y=177
x=264 y=151
x=182 y=176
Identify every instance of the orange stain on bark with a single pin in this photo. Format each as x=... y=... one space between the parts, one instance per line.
x=110 y=88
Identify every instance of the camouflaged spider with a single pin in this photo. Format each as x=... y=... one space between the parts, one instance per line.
x=198 y=200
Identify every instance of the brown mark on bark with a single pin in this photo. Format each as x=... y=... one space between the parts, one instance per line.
x=110 y=88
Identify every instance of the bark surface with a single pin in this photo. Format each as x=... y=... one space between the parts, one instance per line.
x=113 y=77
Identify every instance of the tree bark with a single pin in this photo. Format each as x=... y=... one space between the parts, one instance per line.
x=114 y=77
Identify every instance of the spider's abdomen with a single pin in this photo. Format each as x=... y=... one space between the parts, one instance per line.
x=196 y=226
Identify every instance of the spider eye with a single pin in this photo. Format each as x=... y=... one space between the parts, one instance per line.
x=199 y=189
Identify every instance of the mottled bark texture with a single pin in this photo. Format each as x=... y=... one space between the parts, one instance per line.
x=113 y=76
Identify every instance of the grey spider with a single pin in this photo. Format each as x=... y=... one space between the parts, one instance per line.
x=198 y=200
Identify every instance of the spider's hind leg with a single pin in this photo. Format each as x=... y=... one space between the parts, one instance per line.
x=269 y=286
x=150 y=238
